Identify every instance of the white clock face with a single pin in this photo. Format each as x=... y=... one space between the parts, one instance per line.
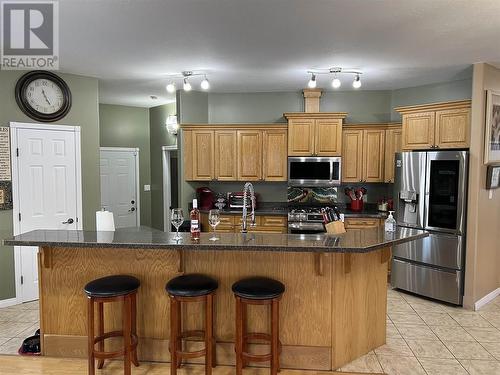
x=44 y=96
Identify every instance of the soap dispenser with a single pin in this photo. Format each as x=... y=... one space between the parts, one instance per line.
x=390 y=223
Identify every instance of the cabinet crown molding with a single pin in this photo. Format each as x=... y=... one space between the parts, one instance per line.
x=457 y=104
x=208 y=127
x=337 y=115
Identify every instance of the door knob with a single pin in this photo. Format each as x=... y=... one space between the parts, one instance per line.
x=69 y=221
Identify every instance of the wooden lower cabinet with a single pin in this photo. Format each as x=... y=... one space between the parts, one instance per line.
x=361 y=222
x=232 y=224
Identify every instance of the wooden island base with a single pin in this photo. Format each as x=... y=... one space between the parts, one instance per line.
x=333 y=310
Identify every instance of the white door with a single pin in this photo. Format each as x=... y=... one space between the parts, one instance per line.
x=119 y=185
x=47 y=191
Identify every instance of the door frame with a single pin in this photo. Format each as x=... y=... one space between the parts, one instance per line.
x=134 y=150
x=167 y=191
x=14 y=142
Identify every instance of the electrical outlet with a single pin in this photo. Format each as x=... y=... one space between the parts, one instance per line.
x=147 y=187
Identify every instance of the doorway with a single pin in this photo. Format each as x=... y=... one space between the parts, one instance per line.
x=170 y=184
x=120 y=185
x=46 y=191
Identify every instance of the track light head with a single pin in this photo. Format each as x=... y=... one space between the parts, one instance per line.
x=187 y=85
x=357 y=82
x=336 y=82
x=205 y=85
x=171 y=88
x=312 y=82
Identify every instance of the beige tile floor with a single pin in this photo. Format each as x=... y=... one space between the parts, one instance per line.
x=423 y=337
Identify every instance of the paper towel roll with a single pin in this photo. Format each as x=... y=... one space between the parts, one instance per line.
x=104 y=221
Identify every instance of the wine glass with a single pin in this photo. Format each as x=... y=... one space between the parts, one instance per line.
x=214 y=220
x=177 y=218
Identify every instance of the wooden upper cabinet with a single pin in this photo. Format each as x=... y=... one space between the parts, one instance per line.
x=225 y=155
x=249 y=146
x=436 y=125
x=373 y=155
x=301 y=137
x=203 y=155
x=274 y=162
x=418 y=130
x=393 y=144
x=328 y=137
x=352 y=156
x=315 y=133
x=453 y=128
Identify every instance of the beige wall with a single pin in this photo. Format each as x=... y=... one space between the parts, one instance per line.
x=483 y=219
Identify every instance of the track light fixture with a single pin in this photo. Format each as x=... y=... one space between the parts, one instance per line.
x=336 y=82
x=312 y=82
x=186 y=76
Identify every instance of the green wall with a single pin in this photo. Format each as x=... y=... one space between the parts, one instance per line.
x=84 y=113
x=159 y=137
x=437 y=92
x=122 y=126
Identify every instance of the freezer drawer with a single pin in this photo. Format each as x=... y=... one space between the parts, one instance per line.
x=438 y=249
x=427 y=281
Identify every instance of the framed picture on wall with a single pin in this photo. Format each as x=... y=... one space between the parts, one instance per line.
x=492 y=134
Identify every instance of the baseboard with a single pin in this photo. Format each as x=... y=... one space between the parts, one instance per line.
x=8 y=302
x=487 y=299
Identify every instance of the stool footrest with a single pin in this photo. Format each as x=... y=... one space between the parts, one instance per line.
x=192 y=335
x=117 y=353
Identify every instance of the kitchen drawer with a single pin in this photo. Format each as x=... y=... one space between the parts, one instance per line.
x=226 y=220
x=261 y=229
x=274 y=221
x=239 y=220
x=359 y=222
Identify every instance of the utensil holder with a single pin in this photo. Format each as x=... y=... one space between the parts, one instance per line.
x=357 y=205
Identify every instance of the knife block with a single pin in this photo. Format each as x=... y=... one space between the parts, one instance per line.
x=335 y=227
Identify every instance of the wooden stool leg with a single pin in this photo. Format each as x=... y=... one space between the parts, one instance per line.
x=275 y=317
x=239 y=337
x=127 y=334
x=208 y=334
x=135 y=360
x=214 y=341
x=90 y=335
x=179 y=343
x=173 y=335
x=100 y=311
x=244 y=342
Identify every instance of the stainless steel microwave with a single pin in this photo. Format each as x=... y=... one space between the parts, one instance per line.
x=314 y=171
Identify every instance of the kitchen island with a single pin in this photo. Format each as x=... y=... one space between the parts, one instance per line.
x=333 y=310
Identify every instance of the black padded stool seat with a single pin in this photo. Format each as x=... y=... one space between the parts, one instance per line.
x=112 y=286
x=258 y=288
x=191 y=285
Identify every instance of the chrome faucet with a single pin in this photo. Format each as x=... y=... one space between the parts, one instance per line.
x=248 y=187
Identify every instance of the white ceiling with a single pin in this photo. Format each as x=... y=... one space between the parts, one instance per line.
x=267 y=45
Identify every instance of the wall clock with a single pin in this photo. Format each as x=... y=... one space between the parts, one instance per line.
x=43 y=96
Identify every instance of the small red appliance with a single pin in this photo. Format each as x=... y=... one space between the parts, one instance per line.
x=205 y=198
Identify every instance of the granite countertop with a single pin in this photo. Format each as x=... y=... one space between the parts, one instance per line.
x=146 y=238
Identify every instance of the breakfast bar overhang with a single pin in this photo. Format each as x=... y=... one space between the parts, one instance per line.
x=333 y=310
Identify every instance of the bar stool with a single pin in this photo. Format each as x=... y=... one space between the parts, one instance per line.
x=257 y=291
x=191 y=288
x=112 y=289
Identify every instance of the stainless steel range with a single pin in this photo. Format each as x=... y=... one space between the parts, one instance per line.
x=305 y=220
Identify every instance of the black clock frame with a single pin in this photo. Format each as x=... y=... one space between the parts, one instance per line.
x=22 y=102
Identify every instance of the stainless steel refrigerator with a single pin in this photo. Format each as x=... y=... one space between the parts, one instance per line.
x=430 y=192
